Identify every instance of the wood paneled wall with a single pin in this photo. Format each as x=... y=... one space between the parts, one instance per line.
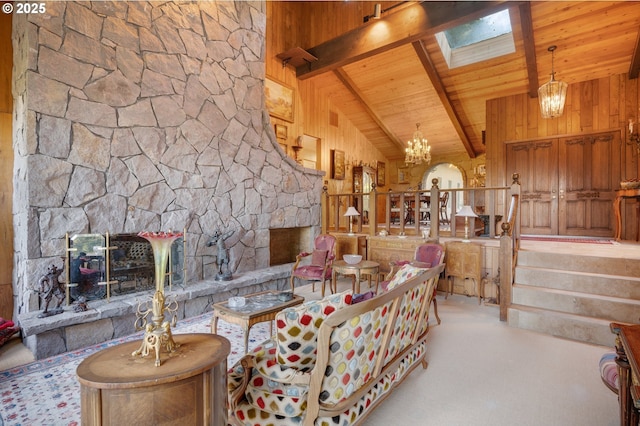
x=6 y=170
x=315 y=115
x=603 y=104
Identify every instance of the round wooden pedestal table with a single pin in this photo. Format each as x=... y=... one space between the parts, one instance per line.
x=189 y=388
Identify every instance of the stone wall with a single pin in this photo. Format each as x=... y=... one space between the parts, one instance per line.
x=142 y=115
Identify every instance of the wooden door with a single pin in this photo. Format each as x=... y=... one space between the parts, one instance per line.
x=537 y=164
x=589 y=173
x=568 y=184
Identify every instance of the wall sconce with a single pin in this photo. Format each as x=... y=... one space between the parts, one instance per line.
x=377 y=12
x=634 y=138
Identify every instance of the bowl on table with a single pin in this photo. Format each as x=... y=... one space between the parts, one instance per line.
x=352 y=259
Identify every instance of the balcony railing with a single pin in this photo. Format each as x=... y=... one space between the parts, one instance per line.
x=431 y=213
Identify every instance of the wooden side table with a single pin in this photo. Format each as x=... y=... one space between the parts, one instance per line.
x=190 y=387
x=620 y=195
x=464 y=260
x=364 y=267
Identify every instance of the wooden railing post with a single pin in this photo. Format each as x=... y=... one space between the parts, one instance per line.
x=373 y=210
x=324 y=209
x=515 y=190
x=434 y=232
x=506 y=270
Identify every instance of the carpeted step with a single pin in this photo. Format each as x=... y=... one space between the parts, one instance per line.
x=578 y=281
x=569 y=326
x=580 y=262
x=607 y=308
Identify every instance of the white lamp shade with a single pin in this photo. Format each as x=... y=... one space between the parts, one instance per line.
x=466 y=211
x=351 y=211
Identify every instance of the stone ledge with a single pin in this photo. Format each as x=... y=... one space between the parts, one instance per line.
x=109 y=320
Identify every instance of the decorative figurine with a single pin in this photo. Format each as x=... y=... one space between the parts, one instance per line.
x=80 y=305
x=223 y=254
x=49 y=287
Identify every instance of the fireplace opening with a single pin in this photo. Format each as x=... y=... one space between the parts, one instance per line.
x=286 y=243
x=118 y=264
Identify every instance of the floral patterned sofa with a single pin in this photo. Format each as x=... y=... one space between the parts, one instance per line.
x=332 y=362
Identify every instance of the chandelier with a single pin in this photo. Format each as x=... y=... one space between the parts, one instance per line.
x=552 y=94
x=418 y=149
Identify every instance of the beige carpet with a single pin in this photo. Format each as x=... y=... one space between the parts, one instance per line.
x=482 y=372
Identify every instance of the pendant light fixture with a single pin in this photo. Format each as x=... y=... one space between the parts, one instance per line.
x=552 y=94
x=418 y=149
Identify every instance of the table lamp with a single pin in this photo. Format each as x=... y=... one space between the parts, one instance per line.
x=466 y=212
x=351 y=211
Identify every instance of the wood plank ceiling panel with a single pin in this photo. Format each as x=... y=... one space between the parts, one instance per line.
x=595 y=39
x=396 y=87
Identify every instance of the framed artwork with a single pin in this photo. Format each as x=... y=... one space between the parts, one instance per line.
x=337 y=164
x=381 y=175
x=279 y=99
x=281 y=131
x=403 y=174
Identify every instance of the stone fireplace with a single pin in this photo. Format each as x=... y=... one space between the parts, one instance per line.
x=135 y=116
x=286 y=243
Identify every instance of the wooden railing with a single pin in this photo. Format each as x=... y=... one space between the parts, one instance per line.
x=417 y=211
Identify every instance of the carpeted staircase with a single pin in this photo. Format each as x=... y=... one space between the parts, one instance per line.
x=575 y=296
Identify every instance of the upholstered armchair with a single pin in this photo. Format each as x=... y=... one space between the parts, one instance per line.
x=318 y=266
x=426 y=255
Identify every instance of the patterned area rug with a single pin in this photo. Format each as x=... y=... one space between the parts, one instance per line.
x=47 y=392
x=567 y=239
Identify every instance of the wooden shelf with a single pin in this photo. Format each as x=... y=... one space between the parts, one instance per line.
x=296 y=57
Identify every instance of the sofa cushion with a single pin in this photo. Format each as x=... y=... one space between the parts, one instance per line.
x=298 y=329
x=285 y=399
x=404 y=273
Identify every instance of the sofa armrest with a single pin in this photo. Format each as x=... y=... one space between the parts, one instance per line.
x=271 y=370
x=237 y=394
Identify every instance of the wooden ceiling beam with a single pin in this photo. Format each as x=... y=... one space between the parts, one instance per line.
x=351 y=86
x=405 y=26
x=526 y=23
x=431 y=71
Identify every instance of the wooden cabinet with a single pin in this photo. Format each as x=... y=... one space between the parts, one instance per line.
x=350 y=244
x=363 y=178
x=391 y=248
x=464 y=261
x=190 y=387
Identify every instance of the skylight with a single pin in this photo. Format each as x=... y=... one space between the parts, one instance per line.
x=476 y=41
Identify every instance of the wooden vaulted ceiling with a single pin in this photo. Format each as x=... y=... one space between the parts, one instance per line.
x=387 y=75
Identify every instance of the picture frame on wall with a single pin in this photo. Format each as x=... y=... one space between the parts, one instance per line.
x=403 y=174
x=337 y=164
x=381 y=173
x=281 y=131
x=279 y=99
